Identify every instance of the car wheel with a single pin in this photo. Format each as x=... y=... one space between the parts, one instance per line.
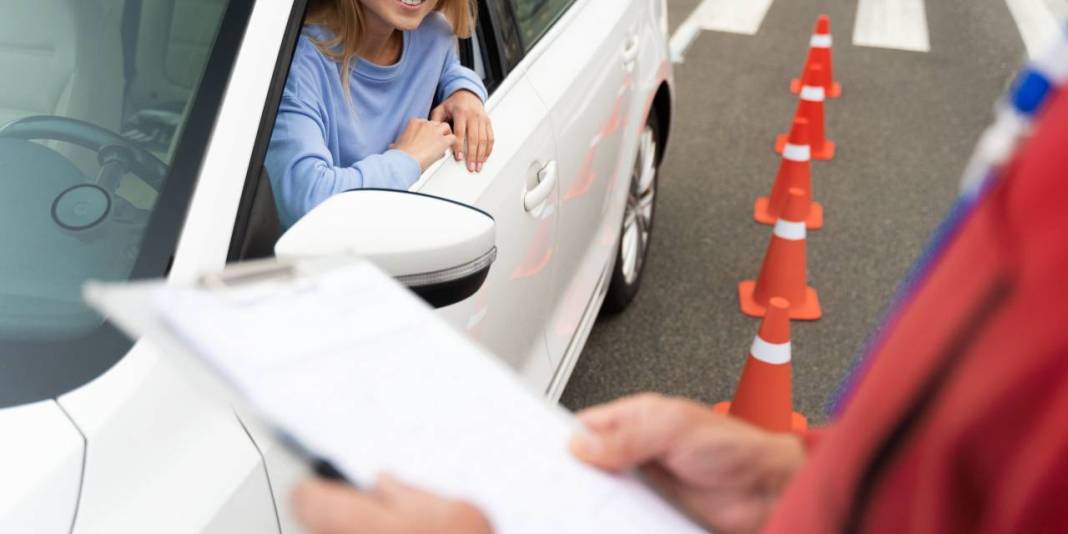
x=637 y=221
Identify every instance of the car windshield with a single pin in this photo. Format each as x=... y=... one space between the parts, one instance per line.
x=105 y=109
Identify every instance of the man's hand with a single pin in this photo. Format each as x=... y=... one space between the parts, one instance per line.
x=726 y=473
x=471 y=125
x=391 y=507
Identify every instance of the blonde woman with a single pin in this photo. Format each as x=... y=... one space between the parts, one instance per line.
x=354 y=111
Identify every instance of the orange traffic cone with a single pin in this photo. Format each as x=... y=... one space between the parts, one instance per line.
x=811 y=108
x=765 y=395
x=783 y=273
x=794 y=171
x=819 y=51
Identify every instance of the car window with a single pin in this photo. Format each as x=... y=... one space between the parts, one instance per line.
x=535 y=17
x=490 y=53
x=105 y=114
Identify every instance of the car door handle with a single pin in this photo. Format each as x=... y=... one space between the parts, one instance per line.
x=630 y=50
x=537 y=195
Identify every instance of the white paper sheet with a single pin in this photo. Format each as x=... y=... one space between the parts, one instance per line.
x=361 y=372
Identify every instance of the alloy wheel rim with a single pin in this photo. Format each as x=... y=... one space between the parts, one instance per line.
x=638 y=214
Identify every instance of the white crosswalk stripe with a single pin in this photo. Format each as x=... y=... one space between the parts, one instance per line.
x=896 y=24
x=734 y=16
x=1038 y=21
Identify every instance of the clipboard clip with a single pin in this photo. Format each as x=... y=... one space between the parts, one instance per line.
x=275 y=271
x=249 y=273
x=250 y=282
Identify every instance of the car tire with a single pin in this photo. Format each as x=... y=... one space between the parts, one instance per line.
x=637 y=226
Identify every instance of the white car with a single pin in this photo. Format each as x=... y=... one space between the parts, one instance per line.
x=132 y=137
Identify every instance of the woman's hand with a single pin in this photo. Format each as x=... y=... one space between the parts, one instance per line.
x=472 y=126
x=425 y=141
x=391 y=507
x=726 y=473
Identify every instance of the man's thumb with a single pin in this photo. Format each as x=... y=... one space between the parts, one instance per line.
x=609 y=451
x=632 y=431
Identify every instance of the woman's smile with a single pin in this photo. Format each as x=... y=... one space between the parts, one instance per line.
x=404 y=15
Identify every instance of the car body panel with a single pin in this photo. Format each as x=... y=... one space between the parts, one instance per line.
x=581 y=73
x=284 y=469
x=506 y=313
x=162 y=454
x=649 y=73
x=41 y=464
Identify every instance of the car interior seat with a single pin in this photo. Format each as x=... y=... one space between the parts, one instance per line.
x=173 y=45
x=168 y=45
x=62 y=57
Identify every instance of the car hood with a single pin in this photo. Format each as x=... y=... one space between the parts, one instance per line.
x=41 y=454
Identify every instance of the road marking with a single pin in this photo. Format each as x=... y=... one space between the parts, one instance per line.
x=682 y=39
x=1037 y=21
x=733 y=16
x=897 y=24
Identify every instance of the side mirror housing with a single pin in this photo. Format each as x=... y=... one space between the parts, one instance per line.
x=440 y=249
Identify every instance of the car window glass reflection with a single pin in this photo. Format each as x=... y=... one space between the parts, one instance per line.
x=535 y=17
x=93 y=101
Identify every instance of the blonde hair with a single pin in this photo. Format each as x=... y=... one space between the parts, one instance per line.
x=345 y=20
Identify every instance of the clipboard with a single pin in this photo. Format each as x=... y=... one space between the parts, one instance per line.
x=358 y=376
x=125 y=305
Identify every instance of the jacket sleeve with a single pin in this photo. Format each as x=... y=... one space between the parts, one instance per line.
x=455 y=76
x=302 y=169
x=810 y=438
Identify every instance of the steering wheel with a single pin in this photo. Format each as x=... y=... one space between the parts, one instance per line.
x=109 y=146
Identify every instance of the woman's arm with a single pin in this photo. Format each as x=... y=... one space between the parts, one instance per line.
x=303 y=172
x=455 y=76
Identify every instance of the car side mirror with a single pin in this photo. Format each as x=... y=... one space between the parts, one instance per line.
x=440 y=249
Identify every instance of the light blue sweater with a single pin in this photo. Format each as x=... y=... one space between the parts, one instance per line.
x=321 y=145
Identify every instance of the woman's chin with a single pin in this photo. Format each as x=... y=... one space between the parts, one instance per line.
x=408 y=16
x=398 y=14
x=406 y=25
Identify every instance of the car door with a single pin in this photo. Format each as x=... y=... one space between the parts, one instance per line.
x=519 y=186
x=583 y=58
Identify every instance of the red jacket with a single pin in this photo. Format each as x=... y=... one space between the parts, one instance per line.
x=960 y=424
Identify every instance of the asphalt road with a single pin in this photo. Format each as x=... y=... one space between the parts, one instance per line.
x=905 y=127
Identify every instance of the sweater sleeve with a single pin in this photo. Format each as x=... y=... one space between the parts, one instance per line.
x=455 y=76
x=303 y=171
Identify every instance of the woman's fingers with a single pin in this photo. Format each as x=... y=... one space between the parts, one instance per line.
x=490 y=138
x=448 y=137
x=474 y=147
x=485 y=142
x=460 y=129
x=439 y=114
x=451 y=140
x=474 y=137
x=444 y=128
